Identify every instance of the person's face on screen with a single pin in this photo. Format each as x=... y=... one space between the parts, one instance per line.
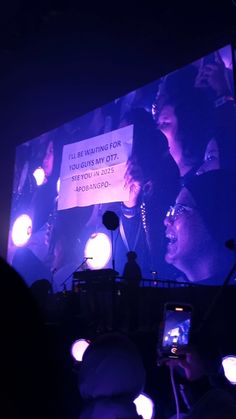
x=48 y=160
x=185 y=231
x=211 y=158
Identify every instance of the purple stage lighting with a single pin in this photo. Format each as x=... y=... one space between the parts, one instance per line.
x=39 y=176
x=58 y=185
x=78 y=349
x=229 y=366
x=144 y=406
x=21 y=230
x=98 y=247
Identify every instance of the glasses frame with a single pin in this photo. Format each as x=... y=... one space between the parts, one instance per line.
x=176 y=210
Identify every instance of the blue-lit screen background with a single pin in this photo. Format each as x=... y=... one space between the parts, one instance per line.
x=195 y=102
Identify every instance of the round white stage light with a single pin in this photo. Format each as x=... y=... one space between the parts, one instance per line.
x=21 y=230
x=144 y=406
x=39 y=176
x=98 y=247
x=78 y=349
x=229 y=366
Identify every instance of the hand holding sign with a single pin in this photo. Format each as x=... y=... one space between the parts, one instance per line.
x=133 y=182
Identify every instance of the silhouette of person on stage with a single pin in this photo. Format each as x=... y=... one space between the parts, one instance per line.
x=132 y=272
x=132 y=276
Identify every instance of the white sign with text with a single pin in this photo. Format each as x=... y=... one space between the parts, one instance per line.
x=93 y=170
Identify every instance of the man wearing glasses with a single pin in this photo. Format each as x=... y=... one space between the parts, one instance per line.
x=199 y=224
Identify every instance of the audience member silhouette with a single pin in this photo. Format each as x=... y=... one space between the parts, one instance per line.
x=33 y=383
x=111 y=377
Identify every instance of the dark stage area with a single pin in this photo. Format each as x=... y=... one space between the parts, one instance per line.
x=92 y=311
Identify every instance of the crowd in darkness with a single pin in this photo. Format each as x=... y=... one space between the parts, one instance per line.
x=39 y=382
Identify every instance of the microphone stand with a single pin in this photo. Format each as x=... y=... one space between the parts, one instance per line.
x=63 y=284
x=52 y=280
x=112 y=251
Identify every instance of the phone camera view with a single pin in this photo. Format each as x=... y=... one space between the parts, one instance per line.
x=177 y=327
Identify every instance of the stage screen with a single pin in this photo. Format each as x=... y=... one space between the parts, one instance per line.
x=162 y=158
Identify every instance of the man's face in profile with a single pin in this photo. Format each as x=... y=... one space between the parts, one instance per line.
x=186 y=233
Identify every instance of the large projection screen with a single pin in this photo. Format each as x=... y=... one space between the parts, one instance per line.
x=161 y=157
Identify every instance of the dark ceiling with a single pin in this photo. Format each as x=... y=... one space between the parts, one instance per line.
x=107 y=49
x=60 y=59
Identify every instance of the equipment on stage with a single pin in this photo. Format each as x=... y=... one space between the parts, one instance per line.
x=99 y=278
x=111 y=221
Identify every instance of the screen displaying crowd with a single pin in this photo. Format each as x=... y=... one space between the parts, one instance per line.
x=161 y=157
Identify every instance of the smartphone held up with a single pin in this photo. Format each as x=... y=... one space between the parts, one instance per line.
x=176 y=329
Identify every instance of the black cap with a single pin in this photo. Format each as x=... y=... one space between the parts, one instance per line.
x=214 y=193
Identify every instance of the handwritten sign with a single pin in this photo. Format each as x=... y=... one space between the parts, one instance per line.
x=92 y=171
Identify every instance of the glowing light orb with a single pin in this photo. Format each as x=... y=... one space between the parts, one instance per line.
x=39 y=176
x=229 y=366
x=21 y=230
x=144 y=406
x=78 y=349
x=98 y=247
x=58 y=185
